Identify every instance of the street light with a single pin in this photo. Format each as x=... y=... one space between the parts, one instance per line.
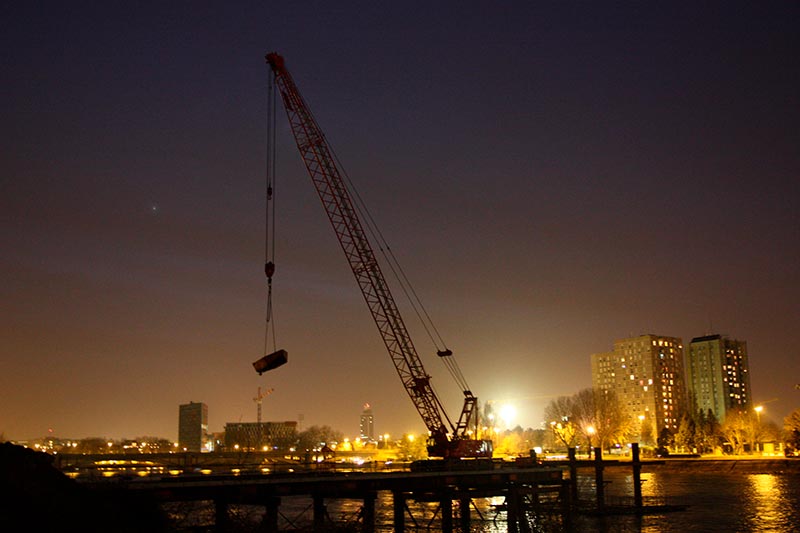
x=590 y=431
x=758 y=409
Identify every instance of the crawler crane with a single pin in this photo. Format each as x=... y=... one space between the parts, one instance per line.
x=447 y=440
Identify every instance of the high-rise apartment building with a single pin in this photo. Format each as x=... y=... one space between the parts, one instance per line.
x=192 y=426
x=367 y=424
x=646 y=374
x=718 y=375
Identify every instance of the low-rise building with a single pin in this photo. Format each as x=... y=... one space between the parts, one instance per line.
x=259 y=436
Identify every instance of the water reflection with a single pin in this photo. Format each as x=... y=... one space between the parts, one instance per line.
x=619 y=488
x=767 y=503
x=715 y=501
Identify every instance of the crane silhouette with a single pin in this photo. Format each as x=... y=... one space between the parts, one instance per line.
x=260 y=396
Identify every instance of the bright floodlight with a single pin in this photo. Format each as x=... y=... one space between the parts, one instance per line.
x=508 y=412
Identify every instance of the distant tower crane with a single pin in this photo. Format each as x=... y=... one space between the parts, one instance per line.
x=447 y=440
x=260 y=396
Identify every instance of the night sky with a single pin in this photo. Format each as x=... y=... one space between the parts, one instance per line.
x=552 y=177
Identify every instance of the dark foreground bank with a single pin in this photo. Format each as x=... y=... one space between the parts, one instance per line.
x=35 y=496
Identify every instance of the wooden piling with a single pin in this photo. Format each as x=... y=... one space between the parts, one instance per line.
x=573 y=476
x=368 y=514
x=598 y=478
x=399 y=501
x=465 y=502
x=512 y=509
x=447 y=514
x=319 y=513
x=637 y=476
x=269 y=523
x=221 y=522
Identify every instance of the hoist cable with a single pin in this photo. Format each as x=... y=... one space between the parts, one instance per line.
x=271 y=157
x=269 y=234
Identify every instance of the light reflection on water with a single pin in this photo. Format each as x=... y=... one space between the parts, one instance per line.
x=715 y=502
x=769 y=496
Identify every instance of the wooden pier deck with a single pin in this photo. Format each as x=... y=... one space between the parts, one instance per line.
x=517 y=485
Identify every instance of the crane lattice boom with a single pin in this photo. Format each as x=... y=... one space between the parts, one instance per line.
x=339 y=207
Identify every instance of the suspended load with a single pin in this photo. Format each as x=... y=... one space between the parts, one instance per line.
x=271 y=361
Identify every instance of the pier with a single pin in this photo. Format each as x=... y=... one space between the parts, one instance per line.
x=522 y=489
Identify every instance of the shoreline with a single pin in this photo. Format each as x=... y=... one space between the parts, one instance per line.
x=743 y=465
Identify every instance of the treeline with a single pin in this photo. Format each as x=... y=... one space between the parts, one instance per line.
x=596 y=418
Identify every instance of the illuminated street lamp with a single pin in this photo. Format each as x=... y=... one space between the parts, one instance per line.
x=758 y=409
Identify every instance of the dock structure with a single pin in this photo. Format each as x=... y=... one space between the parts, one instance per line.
x=527 y=488
x=521 y=488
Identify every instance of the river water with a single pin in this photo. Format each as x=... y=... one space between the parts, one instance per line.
x=709 y=502
x=715 y=502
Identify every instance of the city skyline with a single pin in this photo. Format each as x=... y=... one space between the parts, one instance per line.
x=551 y=178
x=600 y=381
